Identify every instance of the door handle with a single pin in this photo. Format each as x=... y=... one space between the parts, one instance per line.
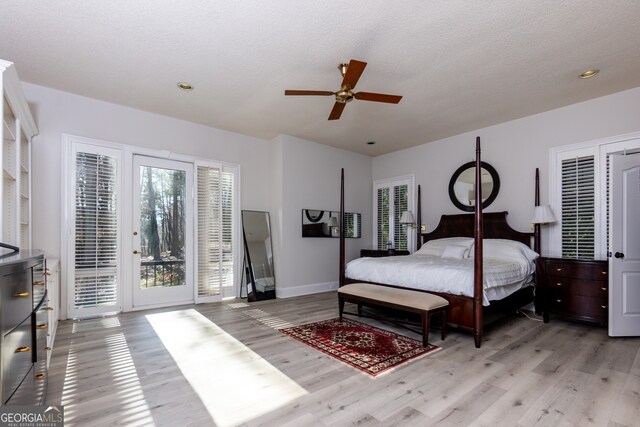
x=619 y=255
x=136 y=252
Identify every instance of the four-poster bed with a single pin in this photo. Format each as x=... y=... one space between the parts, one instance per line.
x=471 y=310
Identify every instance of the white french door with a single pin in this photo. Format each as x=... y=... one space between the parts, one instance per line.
x=624 y=261
x=162 y=232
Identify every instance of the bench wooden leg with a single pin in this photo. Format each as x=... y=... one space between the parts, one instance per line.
x=359 y=310
x=443 y=324
x=340 y=306
x=425 y=328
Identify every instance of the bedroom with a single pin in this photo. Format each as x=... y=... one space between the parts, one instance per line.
x=285 y=174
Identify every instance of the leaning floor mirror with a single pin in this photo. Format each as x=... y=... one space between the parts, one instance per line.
x=258 y=256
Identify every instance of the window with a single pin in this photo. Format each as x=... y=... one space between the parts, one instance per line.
x=216 y=212
x=391 y=198
x=578 y=208
x=96 y=226
x=580 y=196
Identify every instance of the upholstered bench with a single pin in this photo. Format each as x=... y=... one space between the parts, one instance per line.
x=423 y=303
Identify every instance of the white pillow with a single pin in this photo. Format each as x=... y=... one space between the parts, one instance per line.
x=436 y=247
x=454 y=251
x=506 y=249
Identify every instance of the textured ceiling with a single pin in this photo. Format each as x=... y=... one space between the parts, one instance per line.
x=460 y=64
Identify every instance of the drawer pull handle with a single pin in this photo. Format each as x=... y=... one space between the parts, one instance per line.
x=47 y=349
x=43 y=326
x=603 y=306
x=559 y=284
x=23 y=349
x=558 y=300
x=604 y=289
x=604 y=272
x=40 y=376
x=558 y=269
x=38 y=283
x=22 y=294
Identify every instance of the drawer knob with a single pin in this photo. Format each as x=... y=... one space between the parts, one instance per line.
x=559 y=284
x=22 y=294
x=38 y=283
x=558 y=300
x=558 y=269
x=23 y=349
x=40 y=376
x=604 y=288
x=43 y=326
x=604 y=272
x=603 y=306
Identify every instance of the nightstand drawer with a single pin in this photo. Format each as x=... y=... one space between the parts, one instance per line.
x=580 y=307
x=593 y=270
x=576 y=286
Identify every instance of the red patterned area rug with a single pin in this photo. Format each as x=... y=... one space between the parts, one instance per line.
x=367 y=348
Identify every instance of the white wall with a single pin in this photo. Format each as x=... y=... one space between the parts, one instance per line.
x=309 y=178
x=515 y=149
x=58 y=112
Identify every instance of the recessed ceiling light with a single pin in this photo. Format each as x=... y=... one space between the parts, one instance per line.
x=371 y=143
x=185 y=86
x=589 y=73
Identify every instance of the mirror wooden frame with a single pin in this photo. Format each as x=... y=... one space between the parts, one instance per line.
x=494 y=190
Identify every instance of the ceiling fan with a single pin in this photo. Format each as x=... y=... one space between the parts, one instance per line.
x=351 y=73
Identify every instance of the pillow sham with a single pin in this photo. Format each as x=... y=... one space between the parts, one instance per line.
x=436 y=247
x=454 y=251
x=506 y=249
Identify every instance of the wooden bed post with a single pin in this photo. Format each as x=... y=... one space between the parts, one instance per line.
x=477 y=265
x=419 y=222
x=342 y=233
x=536 y=227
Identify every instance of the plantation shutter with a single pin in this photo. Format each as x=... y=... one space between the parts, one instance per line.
x=97 y=211
x=578 y=208
x=400 y=204
x=383 y=217
x=215 y=230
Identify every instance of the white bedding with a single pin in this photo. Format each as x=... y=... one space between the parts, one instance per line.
x=505 y=271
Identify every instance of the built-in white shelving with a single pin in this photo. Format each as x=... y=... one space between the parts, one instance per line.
x=18 y=127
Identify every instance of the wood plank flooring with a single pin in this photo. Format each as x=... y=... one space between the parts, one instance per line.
x=226 y=364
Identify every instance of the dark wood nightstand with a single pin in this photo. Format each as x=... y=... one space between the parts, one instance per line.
x=574 y=289
x=377 y=253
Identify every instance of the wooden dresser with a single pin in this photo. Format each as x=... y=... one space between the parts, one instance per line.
x=574 y=289
x=24 y=325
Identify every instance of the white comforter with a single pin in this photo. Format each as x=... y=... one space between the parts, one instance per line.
x=450 y=275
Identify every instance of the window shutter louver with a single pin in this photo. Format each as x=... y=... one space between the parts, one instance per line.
x=578 y=208
x=400 y=204
x=96 y=230
x=215 y=230
x=383 y=217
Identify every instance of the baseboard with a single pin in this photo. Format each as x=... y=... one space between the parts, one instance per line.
x=314 y=288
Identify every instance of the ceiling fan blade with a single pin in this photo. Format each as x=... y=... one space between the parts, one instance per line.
x=377 y=97
x=336 y=112
x=354 y=71
x=308 y=92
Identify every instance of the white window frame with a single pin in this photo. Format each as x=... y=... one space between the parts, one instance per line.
x=409 y=180
x=127 y=152
x=599 y=150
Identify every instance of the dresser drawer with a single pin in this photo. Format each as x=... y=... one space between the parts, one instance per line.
x=17 y=357
x=16 y=299
x=577 y=286
x=580 y=307
x=593 y=270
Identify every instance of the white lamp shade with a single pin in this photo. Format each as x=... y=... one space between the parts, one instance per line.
x=543 y=215
x=333 y=221
x=407 y=218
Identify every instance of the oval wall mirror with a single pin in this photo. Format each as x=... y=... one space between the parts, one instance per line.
x=461 y=186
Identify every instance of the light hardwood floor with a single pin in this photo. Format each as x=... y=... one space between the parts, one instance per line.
x=226 y=364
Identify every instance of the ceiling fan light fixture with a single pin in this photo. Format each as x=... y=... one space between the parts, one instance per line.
x=589 y=73
x=185 y=86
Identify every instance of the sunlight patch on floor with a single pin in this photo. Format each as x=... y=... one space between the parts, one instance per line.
x=123 y=380
x=234 y=383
